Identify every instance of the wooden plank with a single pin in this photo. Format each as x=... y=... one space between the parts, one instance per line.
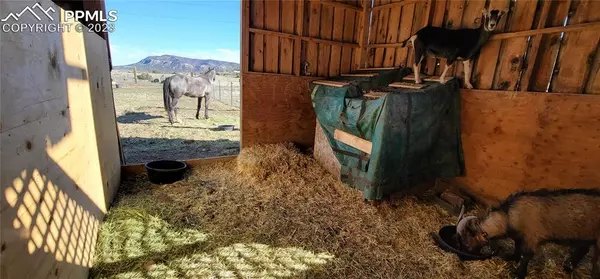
x=376 y=69
x=349 y=25
x=534 y=46
x=425 y=78
x=512 y=52
x=471 y=19
x=336 y=51
x=325 y=32
x=257 y=10
x=245 y=6
x=374 y=95
x=453 y=21
x=359 y=75
x=378 y=8
x=286 y=52
x=60 y=164
x=272 y=41
x=549 y=46
x=409 y=85
x=352 y=140
x=578 y=49
x=372 y=29
x=506 y=142
x=392 y=35
x=593 y=81
x=312 y=50
x=290 y=115
x=135 y=169
x=484 y=69
x=300 y=32
x=381 y=34
x=406 y=22
x=437 y=19
x=331 y=83
x=341 y=6
x=419 y=22
x=363 y=33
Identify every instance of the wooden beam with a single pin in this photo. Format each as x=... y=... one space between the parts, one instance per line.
x=135 y=169
x=359 y=75
x=559 y=29
x=298 y=43
x=339 y=5
x=394 y=4
x=374 y=95
x=407 y=85
x=568 y=28
x=532 y=53
x=363 y=34
x=303 y=38
x=376 y=69
x=283 y=75
x=354 y=141
x=331 y=83
x=511 y=94
x=245 y=35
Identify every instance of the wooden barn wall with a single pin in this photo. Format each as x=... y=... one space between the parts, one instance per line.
x=532 y=141
x=541 y=46
x=528 y=124
x=60 y=158
x=513 y=137
x=286 y=44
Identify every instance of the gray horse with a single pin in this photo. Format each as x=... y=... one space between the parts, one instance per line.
x=176 y=86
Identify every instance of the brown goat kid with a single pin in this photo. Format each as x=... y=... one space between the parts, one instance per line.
x=568 y=217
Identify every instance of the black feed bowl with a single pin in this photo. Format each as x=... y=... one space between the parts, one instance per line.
x=165 y=171
x=444 y=240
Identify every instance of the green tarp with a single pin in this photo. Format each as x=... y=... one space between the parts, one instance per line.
x=415 y=133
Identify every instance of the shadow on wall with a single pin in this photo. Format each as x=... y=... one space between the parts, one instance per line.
x=142 y=150
x=60 y=159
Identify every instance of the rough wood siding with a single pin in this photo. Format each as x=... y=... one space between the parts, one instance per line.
x=283 y=35
x=276 y=109
x=536 y=140
x=60 y=158
x=512 y=61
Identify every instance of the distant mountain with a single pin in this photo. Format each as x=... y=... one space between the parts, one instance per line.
x=172 y=63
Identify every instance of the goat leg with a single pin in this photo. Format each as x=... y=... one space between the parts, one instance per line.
x=521 y=271
x=577 y=254
x=417 y=73
x=443 y=76
x=467 y=69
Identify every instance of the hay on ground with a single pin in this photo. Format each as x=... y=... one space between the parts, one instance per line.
x=275 y=213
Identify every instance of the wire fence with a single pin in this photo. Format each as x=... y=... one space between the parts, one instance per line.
x=227 y=93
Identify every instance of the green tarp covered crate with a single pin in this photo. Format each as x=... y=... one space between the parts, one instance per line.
x=397 y=139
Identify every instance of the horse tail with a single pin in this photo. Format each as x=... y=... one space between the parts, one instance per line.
x=166 y=95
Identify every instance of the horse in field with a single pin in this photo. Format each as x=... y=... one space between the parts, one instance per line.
x=176 y=86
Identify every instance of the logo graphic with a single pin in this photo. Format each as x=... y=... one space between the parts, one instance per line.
x=31 y=11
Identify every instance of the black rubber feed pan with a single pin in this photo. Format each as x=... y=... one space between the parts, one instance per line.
x=444 y=240
x=165 y=171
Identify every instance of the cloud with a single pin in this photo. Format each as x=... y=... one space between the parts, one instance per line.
x=123 y=55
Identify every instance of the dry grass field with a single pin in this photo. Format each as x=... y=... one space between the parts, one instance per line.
x=146 y=133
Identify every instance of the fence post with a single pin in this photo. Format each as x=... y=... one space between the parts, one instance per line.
x=231 y=94
x=135 y=75
x=219 y=90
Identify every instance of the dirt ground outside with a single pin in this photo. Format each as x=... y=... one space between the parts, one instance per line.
x=146 y=133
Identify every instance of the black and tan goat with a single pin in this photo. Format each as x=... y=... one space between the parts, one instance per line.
x=453 y=45
x=568 y=217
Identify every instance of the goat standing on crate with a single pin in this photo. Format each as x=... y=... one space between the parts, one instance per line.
x=460 y=44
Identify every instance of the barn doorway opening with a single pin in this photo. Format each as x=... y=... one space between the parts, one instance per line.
x=153 y=41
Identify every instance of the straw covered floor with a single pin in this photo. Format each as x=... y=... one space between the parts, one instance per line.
x=275 y=213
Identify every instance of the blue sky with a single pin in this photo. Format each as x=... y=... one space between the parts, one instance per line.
x=206 y=29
